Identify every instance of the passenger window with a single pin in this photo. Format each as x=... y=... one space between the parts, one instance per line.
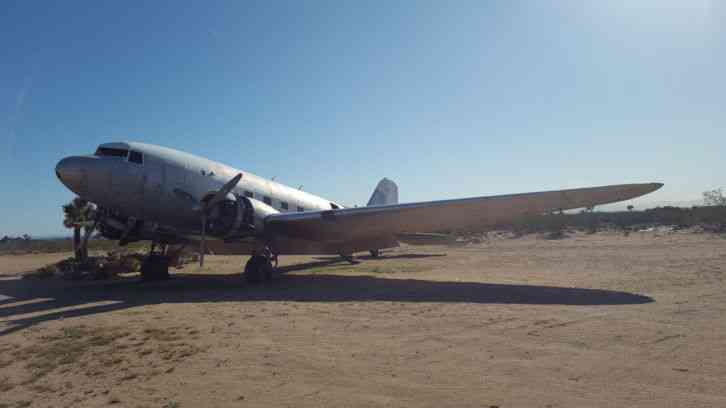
x=283 y=205
x=300 y=209
x=136 y=157
x=249 y=194
x=267 y=200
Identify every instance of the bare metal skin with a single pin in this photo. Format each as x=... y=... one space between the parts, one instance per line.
x=148 y=192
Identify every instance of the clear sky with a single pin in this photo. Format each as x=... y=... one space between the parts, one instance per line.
x=449 y=99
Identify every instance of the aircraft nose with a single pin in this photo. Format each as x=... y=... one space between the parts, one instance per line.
x=71 y=172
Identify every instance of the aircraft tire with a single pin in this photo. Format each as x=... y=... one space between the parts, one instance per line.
x=258 y=269
x=375 y=253
x=155 y=268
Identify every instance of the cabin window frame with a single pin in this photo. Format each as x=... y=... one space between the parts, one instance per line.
x=138 y=154
x=112 y=152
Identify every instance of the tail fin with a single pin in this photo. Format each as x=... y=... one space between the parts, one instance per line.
x=386 y=193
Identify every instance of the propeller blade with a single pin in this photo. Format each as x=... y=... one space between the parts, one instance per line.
x=222 y=193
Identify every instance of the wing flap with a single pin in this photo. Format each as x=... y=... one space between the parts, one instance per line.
x=354 y=223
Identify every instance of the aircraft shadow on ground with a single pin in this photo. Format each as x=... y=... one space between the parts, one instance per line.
x=335 y=259
x=82 y=298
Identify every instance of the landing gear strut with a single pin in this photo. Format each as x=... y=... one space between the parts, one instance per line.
x=260 y=267
x=156 y=265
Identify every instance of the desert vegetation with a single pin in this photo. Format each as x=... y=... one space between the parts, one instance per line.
x=28 y=245
x=79 y=215
x=102 y=266
x=698 y=219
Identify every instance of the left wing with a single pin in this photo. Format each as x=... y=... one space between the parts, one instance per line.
x=351 y=224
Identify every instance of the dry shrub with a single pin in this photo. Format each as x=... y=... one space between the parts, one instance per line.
x=44 y=272
x=94 y=267
x=555 y=235
x=131 y=262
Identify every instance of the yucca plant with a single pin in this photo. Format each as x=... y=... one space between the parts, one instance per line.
x=78 y=214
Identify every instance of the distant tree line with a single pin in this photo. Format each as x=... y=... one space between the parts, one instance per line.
x=7 y=238
x=714 y=197
x=47 y=245
x=710 y=218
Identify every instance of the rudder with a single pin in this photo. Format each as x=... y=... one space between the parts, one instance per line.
x=386 y=193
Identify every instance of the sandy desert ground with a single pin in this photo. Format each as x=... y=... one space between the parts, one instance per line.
x=590 y=321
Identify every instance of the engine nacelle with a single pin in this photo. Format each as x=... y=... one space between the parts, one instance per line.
x=238 y=217
x=258 y=212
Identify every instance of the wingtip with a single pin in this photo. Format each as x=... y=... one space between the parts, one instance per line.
x=647 y=188
x=641 y=189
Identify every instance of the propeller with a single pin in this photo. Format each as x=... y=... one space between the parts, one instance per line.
x=205 y=206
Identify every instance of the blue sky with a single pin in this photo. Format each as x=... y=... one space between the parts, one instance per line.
x=449 y=99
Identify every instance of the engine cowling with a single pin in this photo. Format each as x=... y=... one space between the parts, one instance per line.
x=238 y=217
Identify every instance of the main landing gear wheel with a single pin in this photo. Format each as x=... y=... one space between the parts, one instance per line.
x=155 y=268
x=350 y=258
x=258 y=269
x=375 y=253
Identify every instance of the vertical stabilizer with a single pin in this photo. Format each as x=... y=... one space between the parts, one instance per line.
x=386 y=193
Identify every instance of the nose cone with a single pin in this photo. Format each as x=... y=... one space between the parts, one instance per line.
x=71 y=171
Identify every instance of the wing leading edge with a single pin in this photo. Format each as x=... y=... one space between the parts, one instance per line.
x=362 y=222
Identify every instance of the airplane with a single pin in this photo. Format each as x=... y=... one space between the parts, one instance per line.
x=145 y=192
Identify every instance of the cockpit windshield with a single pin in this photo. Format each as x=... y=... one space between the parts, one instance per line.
x=113 y=152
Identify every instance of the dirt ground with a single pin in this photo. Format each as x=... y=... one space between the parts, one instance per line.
x=600 y=320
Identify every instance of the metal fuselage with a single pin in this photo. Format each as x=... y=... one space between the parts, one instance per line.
x=157 y=185
x=147 y=192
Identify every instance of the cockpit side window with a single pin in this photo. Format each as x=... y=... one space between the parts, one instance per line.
x=136 y=157
x=112 y=152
